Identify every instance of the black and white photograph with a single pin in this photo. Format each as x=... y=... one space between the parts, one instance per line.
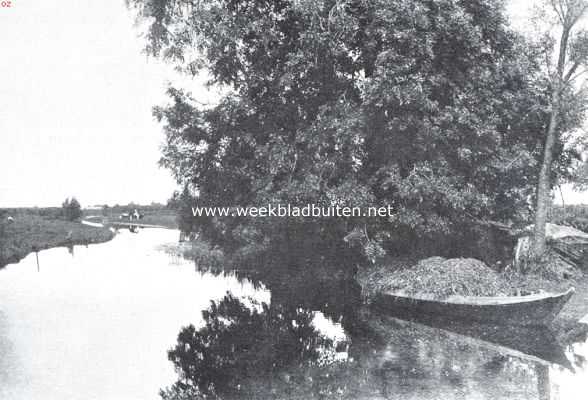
x=294 y=200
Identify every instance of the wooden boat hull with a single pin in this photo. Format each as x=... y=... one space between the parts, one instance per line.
x=519 y=310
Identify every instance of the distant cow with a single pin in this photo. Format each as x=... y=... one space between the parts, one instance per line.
x=131 y=215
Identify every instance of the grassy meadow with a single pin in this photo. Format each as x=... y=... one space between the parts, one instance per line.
x=34 y=229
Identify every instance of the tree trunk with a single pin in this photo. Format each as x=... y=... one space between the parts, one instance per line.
x=544 y=184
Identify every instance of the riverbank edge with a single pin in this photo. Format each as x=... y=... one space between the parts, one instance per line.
x=104 y=235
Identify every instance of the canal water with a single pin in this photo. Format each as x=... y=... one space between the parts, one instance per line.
x=97 y=322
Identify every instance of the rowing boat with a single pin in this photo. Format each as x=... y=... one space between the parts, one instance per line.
x=534 y=309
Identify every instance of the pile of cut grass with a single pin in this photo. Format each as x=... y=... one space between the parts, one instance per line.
x=436 y=278
x=440 y=278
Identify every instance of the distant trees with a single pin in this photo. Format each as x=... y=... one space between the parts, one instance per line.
x=71 y=209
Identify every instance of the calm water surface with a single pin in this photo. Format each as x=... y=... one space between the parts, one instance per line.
x=97 y=324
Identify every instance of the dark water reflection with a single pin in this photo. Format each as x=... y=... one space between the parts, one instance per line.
x=277 y=351
x=267 y=352
x=96 y=323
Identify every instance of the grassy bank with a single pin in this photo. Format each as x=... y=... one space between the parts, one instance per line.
x=34 y=229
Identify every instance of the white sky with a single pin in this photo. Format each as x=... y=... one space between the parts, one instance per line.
x=76 y=94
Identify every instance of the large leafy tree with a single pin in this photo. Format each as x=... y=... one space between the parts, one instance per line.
x=433 y=107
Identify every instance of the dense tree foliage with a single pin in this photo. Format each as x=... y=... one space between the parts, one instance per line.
x=434 y=107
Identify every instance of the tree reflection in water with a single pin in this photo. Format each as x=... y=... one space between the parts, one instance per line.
x=242 y=346
x=251 y=350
